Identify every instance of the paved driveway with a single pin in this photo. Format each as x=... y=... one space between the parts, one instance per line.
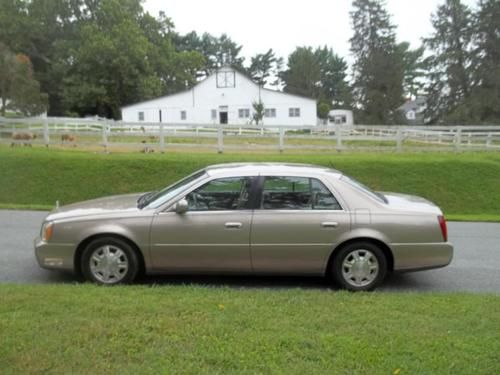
x=475 y=267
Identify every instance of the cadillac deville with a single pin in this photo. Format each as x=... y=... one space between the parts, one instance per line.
x=249 y=218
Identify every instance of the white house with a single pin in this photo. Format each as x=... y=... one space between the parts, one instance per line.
x=341 y=116
x=224 y=97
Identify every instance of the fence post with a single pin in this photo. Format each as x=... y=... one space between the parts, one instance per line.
x=458 y=139
x=262 y=130
x=162 y=139
x=399 y=140
x=105 y=136
x=46 y=138
x=220 y=139
x=282 y=139
x=338 y=135
x=488 y=140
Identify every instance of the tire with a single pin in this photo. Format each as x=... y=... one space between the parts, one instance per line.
x=109 y=261
x=359 y=266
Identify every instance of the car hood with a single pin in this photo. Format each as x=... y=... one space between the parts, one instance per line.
x=411 y=203
x=100 y=206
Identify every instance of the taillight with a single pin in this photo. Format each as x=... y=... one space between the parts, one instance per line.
x=444 y=230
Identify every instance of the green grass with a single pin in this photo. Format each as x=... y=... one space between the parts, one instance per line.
x=465 y=185
x=198 y=329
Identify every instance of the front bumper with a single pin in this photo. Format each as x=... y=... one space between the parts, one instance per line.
x=421 y=256
x=55 y=256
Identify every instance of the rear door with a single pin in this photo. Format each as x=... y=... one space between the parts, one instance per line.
x=295 y=226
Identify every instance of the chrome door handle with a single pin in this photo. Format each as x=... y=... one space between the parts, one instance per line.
x=329 y=224
x=233 y=225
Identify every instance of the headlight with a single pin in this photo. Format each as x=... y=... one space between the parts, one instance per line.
x=47 y=230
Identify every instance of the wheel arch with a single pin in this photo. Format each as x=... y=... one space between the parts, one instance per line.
x=77 y=260
x=381 y=244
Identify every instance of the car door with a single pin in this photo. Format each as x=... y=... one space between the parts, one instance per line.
x=296 y=225
x=212 y=236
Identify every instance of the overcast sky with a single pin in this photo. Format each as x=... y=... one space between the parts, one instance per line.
x=284 y=24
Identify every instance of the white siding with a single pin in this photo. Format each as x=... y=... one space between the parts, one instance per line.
x=206 y=96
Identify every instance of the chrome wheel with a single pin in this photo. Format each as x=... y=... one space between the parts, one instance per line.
x=360 y=268
x=109 y=264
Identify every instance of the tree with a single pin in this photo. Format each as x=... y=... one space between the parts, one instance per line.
x=413 y=70
x=377 y=69
x=334 y=88
x=258 y=112
x=303 y=73
x=93 y=56
x=18 y=85
x=450 y=64
x=217 y=51
x=485 y=95
x=320 y=74
x=265 y=67
x=323 y=110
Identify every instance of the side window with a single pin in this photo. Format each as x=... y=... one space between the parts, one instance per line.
x=286 y=193
x=221 y=195
x=322 y=198
x=297 y=193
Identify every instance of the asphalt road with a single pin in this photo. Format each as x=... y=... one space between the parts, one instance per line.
x=475 y=267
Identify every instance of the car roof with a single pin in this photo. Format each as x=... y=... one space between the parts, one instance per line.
x=269 y=168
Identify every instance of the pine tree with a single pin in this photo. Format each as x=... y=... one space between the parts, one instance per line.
x=485 y=101
x=450 y=80
x=378 y=67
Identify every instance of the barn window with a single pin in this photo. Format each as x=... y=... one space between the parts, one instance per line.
x=270 y=112
x=243 y=113
x=214 y=114
x=225 y=79
x=141 y=116
x=293 y=112
x=183 y=115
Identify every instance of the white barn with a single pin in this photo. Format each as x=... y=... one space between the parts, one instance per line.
x=224 y=97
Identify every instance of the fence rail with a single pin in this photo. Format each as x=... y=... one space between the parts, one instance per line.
x=147 y=137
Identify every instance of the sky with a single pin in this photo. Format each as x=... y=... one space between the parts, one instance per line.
x=283 y=25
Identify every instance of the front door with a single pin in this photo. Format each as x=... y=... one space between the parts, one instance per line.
x=212 y=236
x=223 y=117
x=296 y=226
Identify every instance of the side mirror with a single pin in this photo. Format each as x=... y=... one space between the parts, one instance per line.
x=181 y=206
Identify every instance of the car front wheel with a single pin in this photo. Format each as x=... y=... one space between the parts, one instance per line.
x=109 y=261
x=359 y=266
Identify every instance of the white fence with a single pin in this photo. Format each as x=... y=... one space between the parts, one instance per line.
x=147 y=137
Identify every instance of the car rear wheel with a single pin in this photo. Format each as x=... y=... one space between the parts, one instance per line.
x=109 y=261
x=359 y=266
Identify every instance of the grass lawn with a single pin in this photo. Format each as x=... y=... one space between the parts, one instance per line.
x=465 y=185
x=198 y=329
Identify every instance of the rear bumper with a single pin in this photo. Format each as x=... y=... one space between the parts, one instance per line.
x=54 y=256
x=421 y=256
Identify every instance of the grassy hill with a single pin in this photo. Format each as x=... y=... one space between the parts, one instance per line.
x=465 y=185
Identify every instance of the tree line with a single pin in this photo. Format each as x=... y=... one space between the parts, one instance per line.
x=90 y=57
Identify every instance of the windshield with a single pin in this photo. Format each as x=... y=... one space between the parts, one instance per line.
x=358 y=185
x=156 y=199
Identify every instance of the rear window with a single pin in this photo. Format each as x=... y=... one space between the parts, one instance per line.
x=365 y=189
